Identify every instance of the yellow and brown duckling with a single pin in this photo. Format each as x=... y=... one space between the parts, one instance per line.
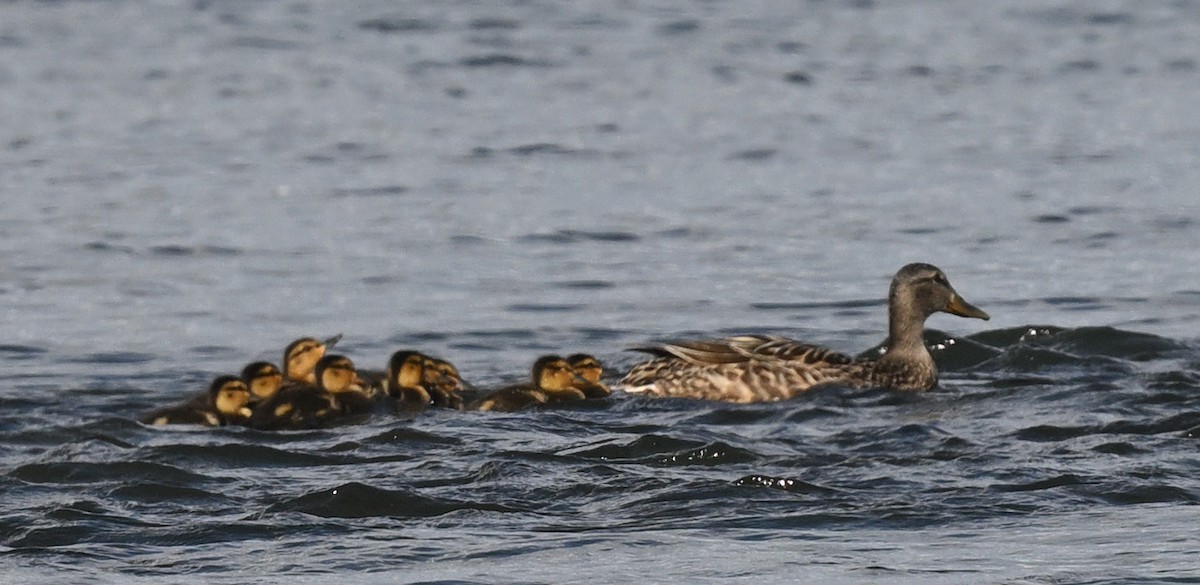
x=300 y=359
x=337 y=376
x=444 y=383
x=416 y=380
x=588 y=371
x=263 y=379
x=224 y=404
x=755 y=368
x=553 y=380
x=406 y=379
x=336 y=394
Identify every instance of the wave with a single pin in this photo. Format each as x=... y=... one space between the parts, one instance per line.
x=116 y=471
x=358 y=500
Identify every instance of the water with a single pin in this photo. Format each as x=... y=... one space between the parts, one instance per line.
x=188 y=187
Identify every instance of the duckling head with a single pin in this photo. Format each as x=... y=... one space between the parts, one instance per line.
x=301 y=356
x=551 y=372
x=586 y=367
x=229 y=395
x=406 y=369
x=263 y=378
x=442 y=374
x=336 y=373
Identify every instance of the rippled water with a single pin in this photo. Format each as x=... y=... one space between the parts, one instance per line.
x=188 y=187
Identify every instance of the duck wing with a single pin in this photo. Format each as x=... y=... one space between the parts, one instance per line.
x=745 y=348
x=747 y=368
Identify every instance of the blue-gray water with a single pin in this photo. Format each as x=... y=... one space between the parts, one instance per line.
x=185 y=187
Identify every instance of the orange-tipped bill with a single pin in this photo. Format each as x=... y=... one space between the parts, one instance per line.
x=960 y=307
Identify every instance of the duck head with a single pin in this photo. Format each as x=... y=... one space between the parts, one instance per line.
x=336 y=373
x=442 y=375
x=918 y=291
x=551 y=372
x=406 y=369
x=924 y=290
x=263 y=379
x=229 y=395
x=301 y=356
x=586 y=367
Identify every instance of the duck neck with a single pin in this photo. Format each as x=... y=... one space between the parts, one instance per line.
x=906 y=330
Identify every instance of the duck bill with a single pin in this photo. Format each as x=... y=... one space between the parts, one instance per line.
x=332 y=341
x=960 y=307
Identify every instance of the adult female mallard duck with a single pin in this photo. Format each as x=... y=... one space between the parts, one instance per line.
x=337 y=393
x=756 y=368
x=552 y=381
x=588 y=371
x=224 y=403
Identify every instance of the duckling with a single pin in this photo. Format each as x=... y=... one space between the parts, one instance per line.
x=754 y=368
x=417 y=380
x=301 y=356
x=588 y=371
x=336 y=394
x=407 y=379
x=373 y=382
x=552 y=381
x=225 y=403
x=337 y=376
x=263 y=379
x=444 y=383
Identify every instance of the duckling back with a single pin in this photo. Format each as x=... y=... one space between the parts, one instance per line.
x=552 y=380
x=223 y=403
x=510 y=399
x=295 y=408
x=181 y=414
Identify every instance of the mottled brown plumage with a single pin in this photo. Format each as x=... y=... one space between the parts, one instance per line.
x=757 y=368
